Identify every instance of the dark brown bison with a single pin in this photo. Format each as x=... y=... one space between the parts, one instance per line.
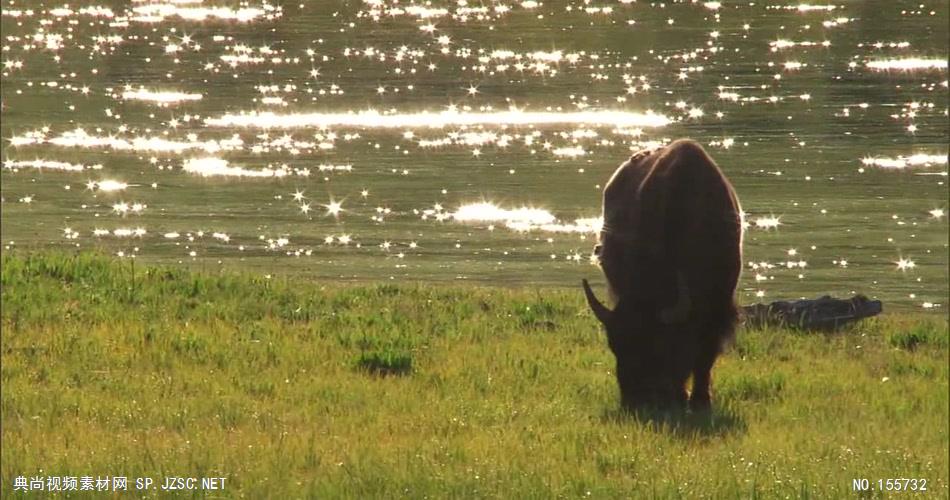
x=670 y=249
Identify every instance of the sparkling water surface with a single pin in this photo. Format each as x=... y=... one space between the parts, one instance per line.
x=470 y=140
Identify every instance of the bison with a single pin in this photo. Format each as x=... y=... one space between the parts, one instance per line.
x=670 y=249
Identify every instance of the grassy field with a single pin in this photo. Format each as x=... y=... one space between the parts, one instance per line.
x=294 y=389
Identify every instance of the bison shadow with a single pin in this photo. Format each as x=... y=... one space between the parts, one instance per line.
x=719 y=422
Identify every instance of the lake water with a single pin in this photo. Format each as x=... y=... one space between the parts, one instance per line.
x=469 y=141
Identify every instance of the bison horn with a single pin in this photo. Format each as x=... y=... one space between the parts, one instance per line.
x=679 y=313
x=603 y=314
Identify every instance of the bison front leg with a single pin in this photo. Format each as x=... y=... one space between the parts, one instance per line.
x=678 y=395
x=700 y=399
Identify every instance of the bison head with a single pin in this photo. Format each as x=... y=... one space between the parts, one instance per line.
x=649 y=292
x=639 y=338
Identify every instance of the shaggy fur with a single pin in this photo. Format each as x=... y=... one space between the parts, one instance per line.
x=671 y=252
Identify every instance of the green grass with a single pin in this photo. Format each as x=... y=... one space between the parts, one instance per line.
x=295 y=389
